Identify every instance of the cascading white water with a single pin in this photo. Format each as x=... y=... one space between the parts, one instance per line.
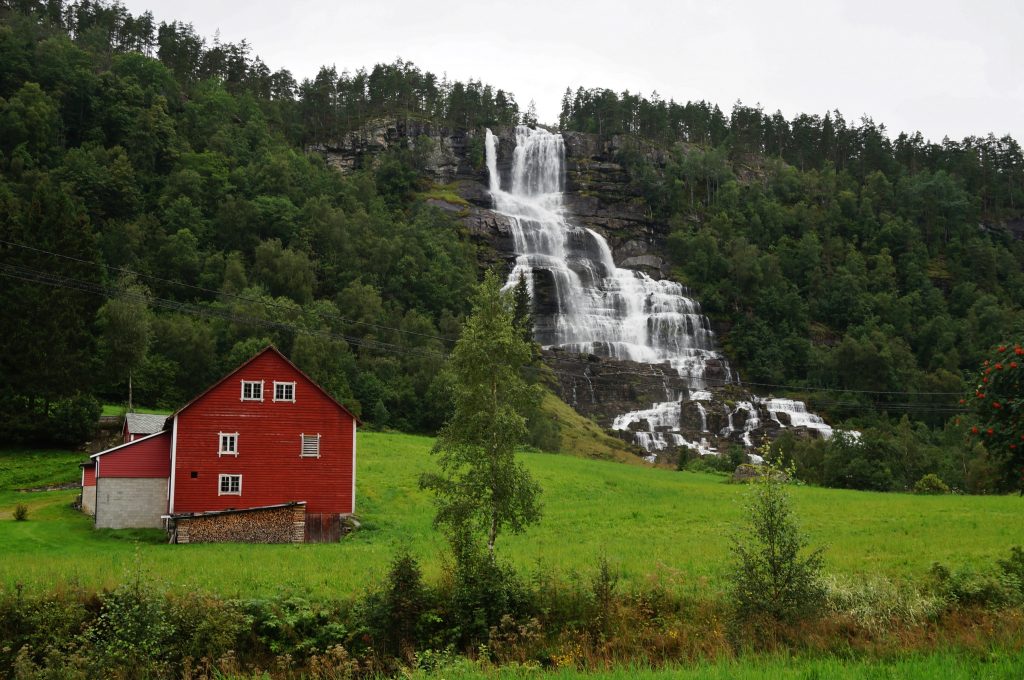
x=798 y=415
x=598 y=308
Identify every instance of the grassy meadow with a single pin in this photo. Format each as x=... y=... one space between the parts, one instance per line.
x=940 y=666
x=650 y=523
x=121 y=409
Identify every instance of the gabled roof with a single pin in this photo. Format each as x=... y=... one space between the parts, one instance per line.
x=144 y=423
x=131 y=443
x=268 y=348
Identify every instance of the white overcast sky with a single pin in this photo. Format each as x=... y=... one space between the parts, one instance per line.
x=943 y=67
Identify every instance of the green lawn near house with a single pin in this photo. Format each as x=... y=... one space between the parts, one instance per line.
x=121 y=409
x=651 y=524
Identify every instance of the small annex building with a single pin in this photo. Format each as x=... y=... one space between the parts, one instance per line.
x=263 y=455
x=89 y=487
x=137 y=425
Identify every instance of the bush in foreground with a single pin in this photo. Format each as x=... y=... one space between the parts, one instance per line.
x=770 y=574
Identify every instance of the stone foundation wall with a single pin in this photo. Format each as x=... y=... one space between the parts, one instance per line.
x=89 y=500
x=270 y=525
x=129 y=503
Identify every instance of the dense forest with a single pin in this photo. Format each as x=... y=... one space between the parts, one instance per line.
x=870 y=275
x=160 y=222
x=162 y=218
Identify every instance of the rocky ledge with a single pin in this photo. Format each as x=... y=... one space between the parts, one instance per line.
x=599 y=194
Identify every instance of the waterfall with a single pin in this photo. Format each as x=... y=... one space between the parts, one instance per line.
x=589 y=305
x=597 y=308
x=798 y=415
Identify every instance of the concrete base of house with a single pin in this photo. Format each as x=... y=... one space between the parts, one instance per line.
x=130 y=503
x=89 y=500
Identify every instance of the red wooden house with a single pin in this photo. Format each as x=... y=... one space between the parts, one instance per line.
x=261 y=452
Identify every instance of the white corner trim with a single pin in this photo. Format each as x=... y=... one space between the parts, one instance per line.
x=353 y=510
x=174 y=461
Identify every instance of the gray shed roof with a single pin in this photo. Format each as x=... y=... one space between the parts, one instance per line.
x=144 y=423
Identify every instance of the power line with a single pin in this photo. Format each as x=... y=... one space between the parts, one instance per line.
x=652 y=376
x=267 y=303
x=652 y=379
x=793 y=388
x=31 y=275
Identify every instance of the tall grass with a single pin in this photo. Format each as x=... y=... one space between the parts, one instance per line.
x=941 y=666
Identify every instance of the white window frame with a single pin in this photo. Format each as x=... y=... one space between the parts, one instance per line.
x=278 y=382
x=220 y=444
x=252 y=382
x=302 y=445
x=228 y=477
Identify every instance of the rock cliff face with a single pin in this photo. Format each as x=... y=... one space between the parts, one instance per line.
x=598 y=190
x=600 y=196
x=447 y=152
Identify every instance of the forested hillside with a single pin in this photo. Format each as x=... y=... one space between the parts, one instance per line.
x=839 y=257
x=131 y=147
x=162 y=217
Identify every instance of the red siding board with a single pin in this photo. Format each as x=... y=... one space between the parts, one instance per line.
x=142 y=458
x=269 y=442
x=88 y=475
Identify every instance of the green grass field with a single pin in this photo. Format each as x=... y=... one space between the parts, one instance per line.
x=942 y=666
x=650 y=523
x=121 y=409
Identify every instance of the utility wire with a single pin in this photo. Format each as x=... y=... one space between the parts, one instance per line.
x=179 y=306
x=792 y=388
x=243 y=298
x=55 y=280
x=31 y=275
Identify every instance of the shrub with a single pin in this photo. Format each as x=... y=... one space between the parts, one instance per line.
x=1013 y=571
x=483 y=592
x=968 y=588
x=20 y=512
x=132 y=633
x=769 y=575
x=73 y=420
x=394 y=615
x=212 y=626
x=931 y=484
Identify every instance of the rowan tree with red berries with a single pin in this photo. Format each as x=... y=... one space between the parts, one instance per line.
x=998 y=405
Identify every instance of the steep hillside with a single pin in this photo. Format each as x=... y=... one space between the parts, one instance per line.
x=148 y=174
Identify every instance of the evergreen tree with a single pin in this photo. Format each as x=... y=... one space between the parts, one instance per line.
x=522 y=309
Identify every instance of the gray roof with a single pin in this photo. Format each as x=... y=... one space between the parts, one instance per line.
x=144 y=423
